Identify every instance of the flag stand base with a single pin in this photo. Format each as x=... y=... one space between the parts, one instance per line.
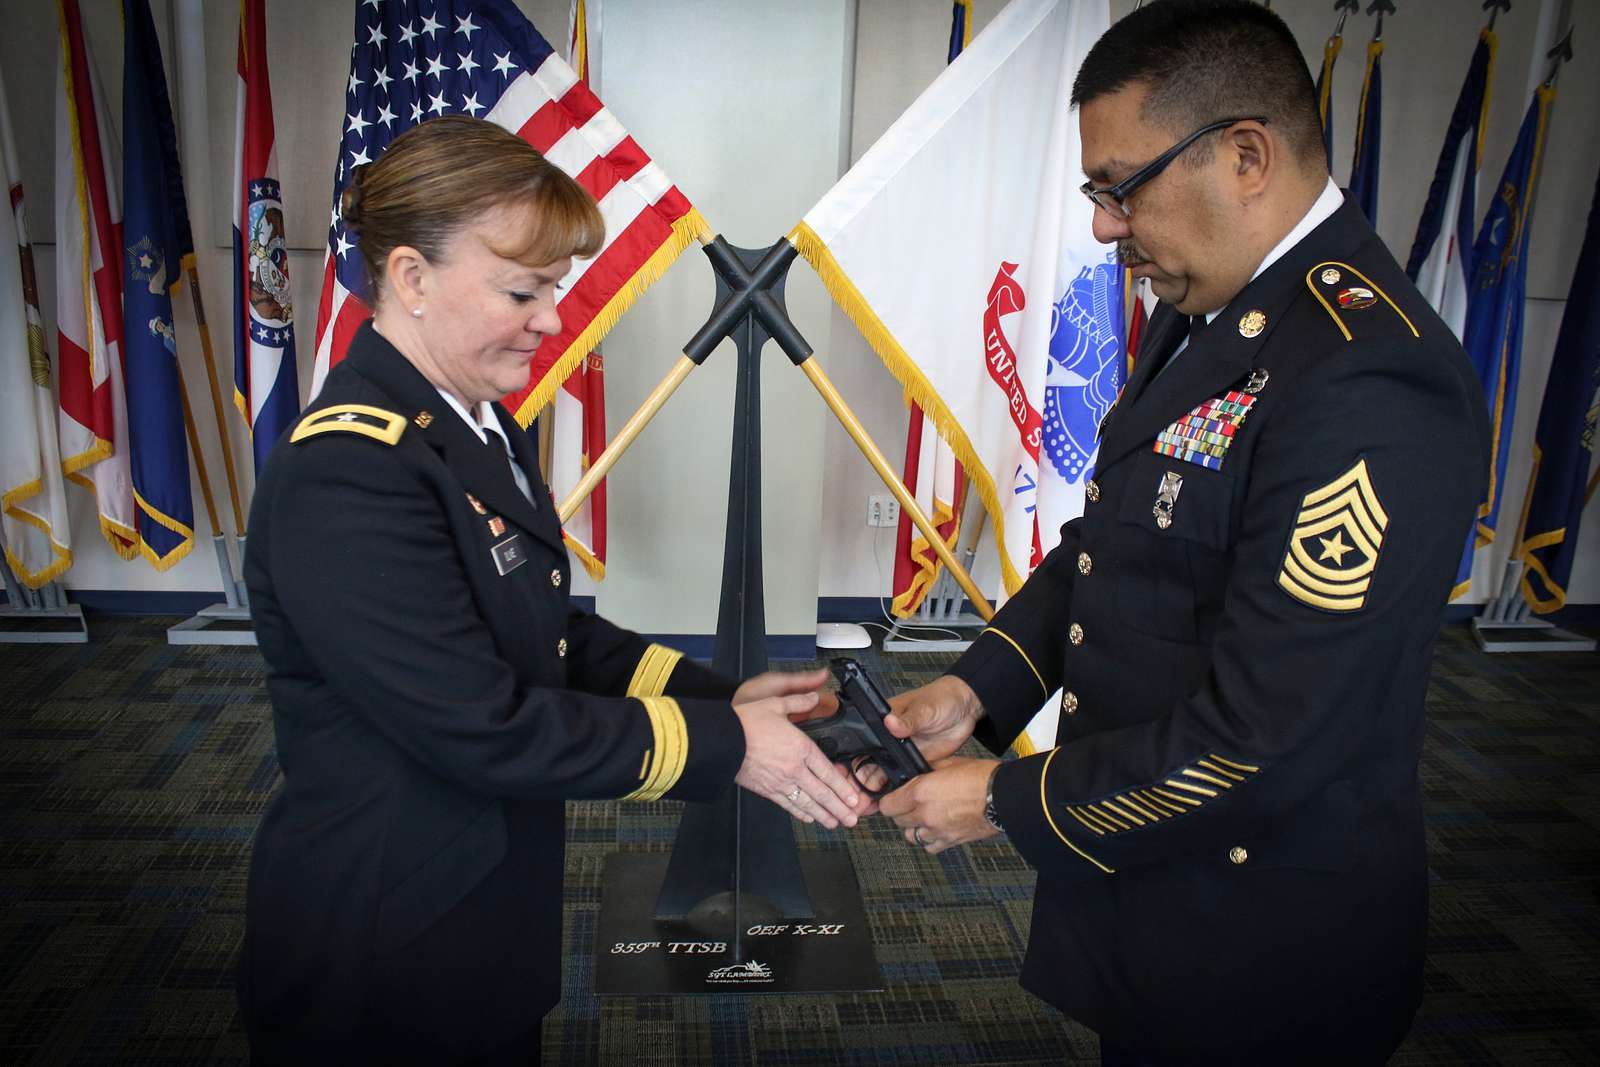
x=1528 y=635
x=894 y=642
x=1507 y=623
x=73 y=630
x=219 y=624
x=939 y=610
x=215 y=626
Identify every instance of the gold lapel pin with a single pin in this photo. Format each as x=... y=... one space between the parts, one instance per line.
x=423 y=420
x=1253 y=322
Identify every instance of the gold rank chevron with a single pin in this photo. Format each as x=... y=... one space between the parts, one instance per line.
x=1183 y=791
x=1342 y=524
x=655 y=667
x=664 y=760
x=363 y=419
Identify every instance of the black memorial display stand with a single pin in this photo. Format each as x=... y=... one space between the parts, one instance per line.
x=738 y=908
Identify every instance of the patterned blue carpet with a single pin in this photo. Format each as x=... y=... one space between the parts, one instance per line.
x=132 y=775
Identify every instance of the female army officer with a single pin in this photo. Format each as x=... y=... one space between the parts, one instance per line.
x=435 y=695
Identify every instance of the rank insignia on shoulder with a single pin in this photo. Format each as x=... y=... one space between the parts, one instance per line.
x=362 y=419
x=1335 y=543
x=1324 y=276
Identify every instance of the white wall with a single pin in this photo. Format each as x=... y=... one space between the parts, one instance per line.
x=742 y=104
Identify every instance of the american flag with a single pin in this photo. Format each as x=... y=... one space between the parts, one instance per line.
x=414 y=61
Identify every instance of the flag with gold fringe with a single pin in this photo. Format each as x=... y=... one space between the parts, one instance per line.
x=1561 y=484
x=33 y=504
x=1497 y=302
x=579 y=408
x=931 y=471
x=157 y=248
x=94 y=414
x=961 y=249
x=484 y=58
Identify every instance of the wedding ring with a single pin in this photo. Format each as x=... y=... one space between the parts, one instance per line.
x=916 y=835
x=794 y=795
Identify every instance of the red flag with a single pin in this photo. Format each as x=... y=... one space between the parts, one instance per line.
x=94 y=416
x=580 y=403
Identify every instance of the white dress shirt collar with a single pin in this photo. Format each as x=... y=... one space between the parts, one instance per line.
x=1327 y=202
x=481 y=418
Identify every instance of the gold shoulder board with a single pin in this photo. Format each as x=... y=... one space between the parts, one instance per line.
x=1350 y=297
x=361 y=419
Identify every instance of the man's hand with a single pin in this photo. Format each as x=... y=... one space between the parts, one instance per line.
x=944 y=808
x=783 y=764
x=938 y=717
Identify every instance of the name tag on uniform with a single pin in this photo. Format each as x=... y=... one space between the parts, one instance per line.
x=508 y=554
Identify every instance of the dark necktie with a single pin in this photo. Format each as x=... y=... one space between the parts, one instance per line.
x=497 y=447
x=1196 y=324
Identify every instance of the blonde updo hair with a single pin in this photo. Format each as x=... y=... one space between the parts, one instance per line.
x=442 y=175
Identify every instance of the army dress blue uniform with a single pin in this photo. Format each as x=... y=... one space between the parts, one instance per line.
x=1229 y=834
x=435 y=698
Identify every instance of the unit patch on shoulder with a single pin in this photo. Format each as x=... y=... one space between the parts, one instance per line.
x=1324 y=280
x=363 y=419
x=1334 y=547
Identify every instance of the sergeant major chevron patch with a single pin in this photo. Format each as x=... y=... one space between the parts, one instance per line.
x=1334 y=546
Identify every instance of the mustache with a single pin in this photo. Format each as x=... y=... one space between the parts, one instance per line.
x=1128 y=255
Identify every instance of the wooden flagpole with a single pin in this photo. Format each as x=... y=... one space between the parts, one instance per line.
x=216 y=407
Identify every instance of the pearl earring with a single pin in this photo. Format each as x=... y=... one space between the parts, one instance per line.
x=416 y=313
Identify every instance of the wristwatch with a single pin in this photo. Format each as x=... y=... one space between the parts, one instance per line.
x=988 y=804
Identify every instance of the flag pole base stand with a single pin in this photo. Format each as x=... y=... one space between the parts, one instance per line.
x=220 y=624
x=1528 y=635
x=60 y=626
x=895 y=642
x=637 y=954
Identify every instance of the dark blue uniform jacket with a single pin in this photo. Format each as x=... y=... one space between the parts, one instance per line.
x=435 y=698
x=1229 y=834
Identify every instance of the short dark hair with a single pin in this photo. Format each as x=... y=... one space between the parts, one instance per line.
x=1204 y=60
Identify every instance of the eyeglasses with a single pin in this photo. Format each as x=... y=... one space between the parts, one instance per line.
x=1113 y=199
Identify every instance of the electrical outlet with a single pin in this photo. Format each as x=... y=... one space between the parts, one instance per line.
x=883 y=510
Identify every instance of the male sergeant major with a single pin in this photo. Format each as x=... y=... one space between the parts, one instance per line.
x=1229 y=834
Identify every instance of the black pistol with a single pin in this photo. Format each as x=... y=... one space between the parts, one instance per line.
x=857 y=737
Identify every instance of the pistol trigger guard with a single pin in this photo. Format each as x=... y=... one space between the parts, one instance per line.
x=865 y=760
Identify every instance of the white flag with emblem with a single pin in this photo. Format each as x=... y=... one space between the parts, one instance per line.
x=961 y=248
x=32 y=498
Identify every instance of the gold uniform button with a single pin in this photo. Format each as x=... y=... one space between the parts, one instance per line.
x=1069 y=702
x=1085 y=563
x=561 y=648
x=1075 y=634
x=555 y=578
x=1237 y=854
x=1092 y=491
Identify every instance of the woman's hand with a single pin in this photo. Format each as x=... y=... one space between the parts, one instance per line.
x=783 y=683
x=783 y=764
